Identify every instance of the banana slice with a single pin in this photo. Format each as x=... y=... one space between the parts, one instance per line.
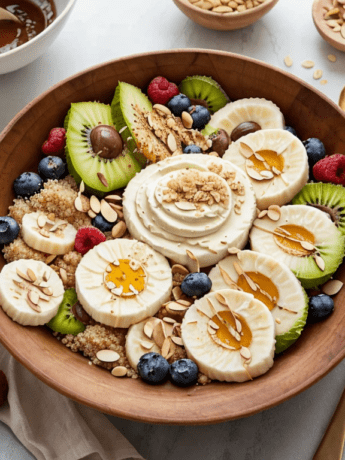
x=193 y=202
x=257 y=111
x=304 y=239
x=48 y=236
x=230 y=335
x=30 y=292
x=275 y=161
x=152 y=334
x=121 y=282
x=271 y=282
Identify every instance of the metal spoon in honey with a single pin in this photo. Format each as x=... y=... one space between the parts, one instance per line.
x=7 y=16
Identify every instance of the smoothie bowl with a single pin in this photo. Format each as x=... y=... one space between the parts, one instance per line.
x=146 y=262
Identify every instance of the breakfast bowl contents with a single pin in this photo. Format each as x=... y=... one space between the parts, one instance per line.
x=164 y=268
x=34 y=27
x=225 y=15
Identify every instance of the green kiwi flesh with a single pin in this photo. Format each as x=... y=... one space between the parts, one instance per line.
x=284 y=341
x=64 y=321
x=329 y=198
x=204 y=91
x=123 y=112
x=83 y=163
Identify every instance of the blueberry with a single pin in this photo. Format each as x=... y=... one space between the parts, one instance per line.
x=192 y=149
x=320 y=306
x=315 y=151
x=102 y=224
x=153 y=368
x=9 y=230
x=291 y=130
x=196 y=284
x=51 y=168
x=27 y=184
x=179 y=104
x=184 y=372
x=201 y=116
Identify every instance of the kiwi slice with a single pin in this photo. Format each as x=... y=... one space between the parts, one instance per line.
x=64 y=321
x=329 y=198
x=100 y=173
x=204 y=91
x=123 y=112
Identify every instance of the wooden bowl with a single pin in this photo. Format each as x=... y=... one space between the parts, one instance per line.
x=333 y=38
x=228 y=21
x=321 y=347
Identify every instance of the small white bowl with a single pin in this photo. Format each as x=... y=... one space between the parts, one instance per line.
x=33 y=49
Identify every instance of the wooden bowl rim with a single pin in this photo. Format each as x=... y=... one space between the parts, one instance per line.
x=326 y=32
x=225 y=414
x=230 y=15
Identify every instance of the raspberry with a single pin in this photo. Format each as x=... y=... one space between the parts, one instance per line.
x=331 y=169
x=160 y=90
x=55 y=144
x=3 y=388
x=87 y=238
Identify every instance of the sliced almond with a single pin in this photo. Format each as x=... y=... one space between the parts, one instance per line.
x=177 y=292
x=177 y=268
x=185 y=206
x=183 y=302
x=78 y=204
x=116 y=207
x=119 y=230
x=308 y=64
x=323 y=82
x=115 y=198
x=317 y=74
x=44 y=233
x=175 y=306
x=85 y=203
x=332 y=58
x=273 y=215
x=238 y=268
x=250 y=282
x=233 y=250
x=23 y=275
x=108 y=213
x=331 y=12
x=82 y=187
x=107 y=356
x=288 y=61
x=165 y=347
x=254 y=174
x=95 y=204
x=50 y=259
x=31 y=275
x=147 y=345
x=47 y=291
x=308 y=246
x=169 y=320
x=34 y=297
x=262 y=214
x=171 y=143
x=245 y=353
x=33 y=305
x=177 y=341
x=332 y=287
x=245 y=150
x=319 y=262
x=63 y=275
x=103 y=179
x=213 y=325
x=91 y=214
x=41 y=220
x=194 y=260
x=226 y=277
x=158 y=334
x=119 y=371
x=187 y=120
x=267 y=174
x=221 y=299
x=162 y=109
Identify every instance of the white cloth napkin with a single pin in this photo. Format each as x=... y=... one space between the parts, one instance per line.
x=53 y=427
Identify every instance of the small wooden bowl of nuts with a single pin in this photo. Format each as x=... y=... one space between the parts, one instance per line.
x=225 y=14
x=329 y=20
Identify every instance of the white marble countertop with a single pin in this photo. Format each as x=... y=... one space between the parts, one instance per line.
x=111 y=29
